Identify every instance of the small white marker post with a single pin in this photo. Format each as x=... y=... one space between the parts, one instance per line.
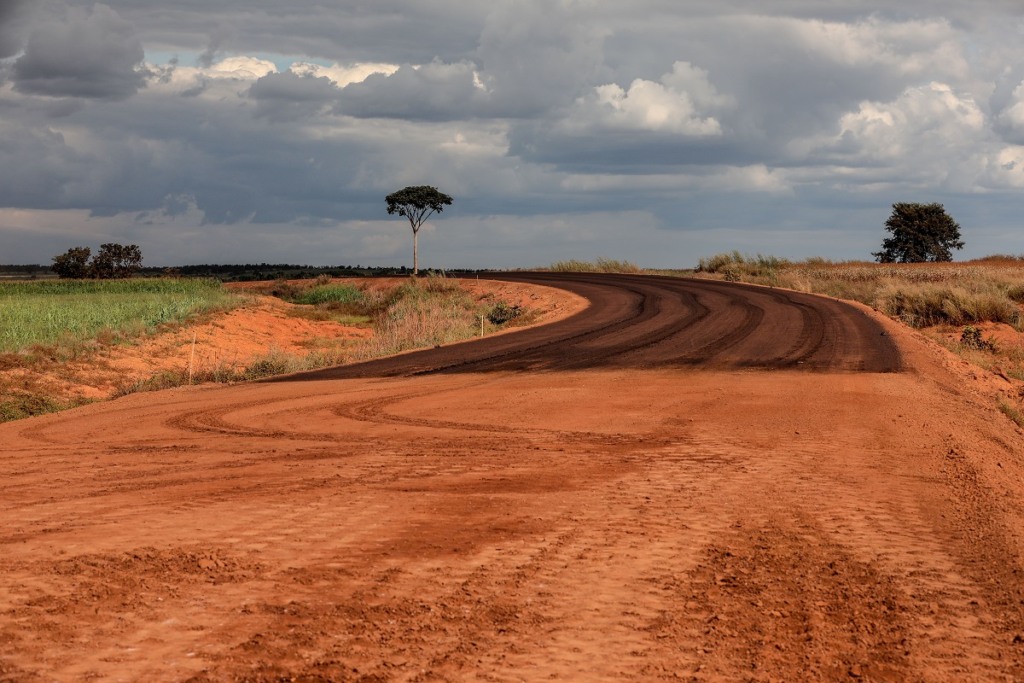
x=192 y=358
x=481 y=326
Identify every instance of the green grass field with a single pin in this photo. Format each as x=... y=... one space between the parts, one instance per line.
x=56 y=312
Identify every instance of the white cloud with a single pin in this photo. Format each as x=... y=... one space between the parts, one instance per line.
x=342 y=75
x=239 y=68
x=680 y=103
x=1006 y=169
x=909 y=48
x=930 y=134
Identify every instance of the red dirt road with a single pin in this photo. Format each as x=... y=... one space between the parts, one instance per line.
x=687 y=481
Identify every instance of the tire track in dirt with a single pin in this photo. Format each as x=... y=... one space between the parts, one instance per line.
x=656 y=489
x=644 y=322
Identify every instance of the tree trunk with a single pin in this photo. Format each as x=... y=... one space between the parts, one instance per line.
x=415 y=253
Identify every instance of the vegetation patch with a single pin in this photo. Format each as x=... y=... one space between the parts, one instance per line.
x=919 y=294
x=424 y=312
x=1012 y=413
x=503 y=313
x=17 y=406
x=65 y=312
x=420 y=312
x=601 y=265
x=331 y=294
x=971 y=338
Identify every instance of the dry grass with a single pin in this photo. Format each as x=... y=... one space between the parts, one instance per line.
x=1012 y=412
x=919 y=294
x=601 y=265
x=418 y=313
x=948 y=300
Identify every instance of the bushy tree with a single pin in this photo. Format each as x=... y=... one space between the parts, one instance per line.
x=417 y=203
x=111 y=261
x=116 y=261
x=920 y=232
x=74 y=263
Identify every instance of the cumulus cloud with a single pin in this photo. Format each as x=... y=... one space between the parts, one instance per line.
x=344 y=74
x=673 y=105
x=925 y=117
x=1011 y=118
x=283 y=125
x=88 y=53
x=929 y=135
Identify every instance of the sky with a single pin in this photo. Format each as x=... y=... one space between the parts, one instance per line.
x=655 y=131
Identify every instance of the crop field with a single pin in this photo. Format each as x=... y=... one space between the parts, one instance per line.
x=67 y=311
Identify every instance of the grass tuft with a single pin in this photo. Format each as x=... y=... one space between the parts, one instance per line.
x=1011 y=412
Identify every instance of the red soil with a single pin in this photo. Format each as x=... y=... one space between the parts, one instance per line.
x=635 y=521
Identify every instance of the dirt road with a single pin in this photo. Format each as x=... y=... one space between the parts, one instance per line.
x=687 y=481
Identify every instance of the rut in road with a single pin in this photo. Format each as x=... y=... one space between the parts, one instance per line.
x=633 y=518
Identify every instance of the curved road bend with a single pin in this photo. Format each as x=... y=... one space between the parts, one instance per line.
x=449 y=525
x=641 y=321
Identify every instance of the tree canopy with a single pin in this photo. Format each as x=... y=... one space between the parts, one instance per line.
x=74 y=263
x=417 y=203
x=111 y=261
x=920 y=232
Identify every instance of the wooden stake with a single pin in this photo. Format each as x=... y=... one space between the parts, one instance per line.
x=192 y=358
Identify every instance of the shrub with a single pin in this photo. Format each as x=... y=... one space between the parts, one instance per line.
x=971 y=338
x=734 y=265
x=20 y=406
x=503 y=313
x=344 y=294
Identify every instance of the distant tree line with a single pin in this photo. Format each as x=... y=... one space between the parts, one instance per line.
x=112 y=261
x=236 y=272
x=251 y=272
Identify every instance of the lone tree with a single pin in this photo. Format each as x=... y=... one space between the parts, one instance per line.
x=920 y=232
x=417 y=203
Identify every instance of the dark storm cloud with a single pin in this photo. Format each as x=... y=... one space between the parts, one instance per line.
x=686 y=116
x=433 y=92
x=82 y=53
x=289 y=96
x=396 y=31
x=12 y=21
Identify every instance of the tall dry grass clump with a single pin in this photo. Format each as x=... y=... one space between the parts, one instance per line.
x=424 y=312
x=601 y=265
x=734 y=266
